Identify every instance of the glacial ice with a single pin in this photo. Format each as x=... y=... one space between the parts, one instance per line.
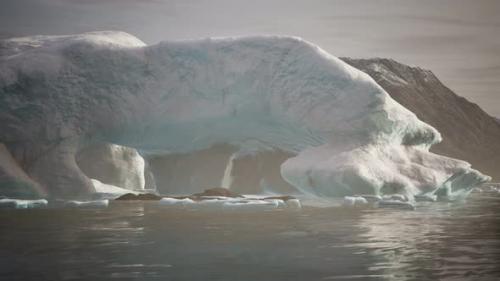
x=354 y=201
x=22 y=204
x=14 y=182
x=255 y=204
x=425 y=198
x=103 y=203
x=107 y=191
x=113 y=164
x=293 y=204
x=175 y=202
x=227 y=203
x=348 y=136
x=396 y=204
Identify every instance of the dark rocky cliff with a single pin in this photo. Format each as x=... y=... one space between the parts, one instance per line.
x=468 y=132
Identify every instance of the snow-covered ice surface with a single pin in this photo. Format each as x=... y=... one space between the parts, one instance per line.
x=256 y=93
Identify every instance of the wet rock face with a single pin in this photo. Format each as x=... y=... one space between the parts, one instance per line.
x=113 y=164
x=468 y=132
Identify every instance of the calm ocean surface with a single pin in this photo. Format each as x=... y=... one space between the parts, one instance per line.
x=143 y=241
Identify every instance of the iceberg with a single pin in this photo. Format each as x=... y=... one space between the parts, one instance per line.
x=345 y=134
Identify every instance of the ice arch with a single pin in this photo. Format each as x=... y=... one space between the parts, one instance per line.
x=59 y=94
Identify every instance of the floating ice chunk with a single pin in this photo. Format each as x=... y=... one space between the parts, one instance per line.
x=490 y=187
x=396 y=204
x=354 y=201
x=22 y=204
x=233 y=203
x=211 y=203
x=459 y=186
x=293 y=204
x=217 y=201
x=425 y=198
x=253 y=204
x=349 y=201
x=280 y=203
x=371 y=198
x=173 y=201
x=8 y=203
x=396 y=197
x=87 y=204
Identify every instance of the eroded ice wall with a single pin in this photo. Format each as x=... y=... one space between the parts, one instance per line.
x=14 y=182
x=113 y=164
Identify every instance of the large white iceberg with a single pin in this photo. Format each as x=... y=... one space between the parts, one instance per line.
x=59 y=94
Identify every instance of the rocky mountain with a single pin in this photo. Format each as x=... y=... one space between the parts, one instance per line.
x=468 y=132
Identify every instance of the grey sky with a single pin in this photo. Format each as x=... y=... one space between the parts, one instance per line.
x=457 y=39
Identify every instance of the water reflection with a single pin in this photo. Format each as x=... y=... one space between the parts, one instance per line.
x=438 y=241
x=141 y=241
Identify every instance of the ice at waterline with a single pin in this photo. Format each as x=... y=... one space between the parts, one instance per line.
x=59 y=94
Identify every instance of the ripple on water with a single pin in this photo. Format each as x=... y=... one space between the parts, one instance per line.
x=437 y=241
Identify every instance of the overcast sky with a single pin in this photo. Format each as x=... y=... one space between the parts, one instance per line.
x=457 y=39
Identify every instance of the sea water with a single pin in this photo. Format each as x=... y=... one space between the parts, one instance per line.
x=145 y=241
